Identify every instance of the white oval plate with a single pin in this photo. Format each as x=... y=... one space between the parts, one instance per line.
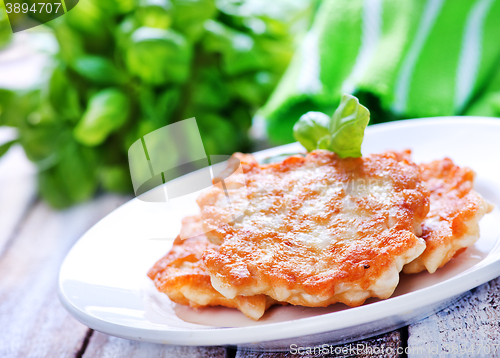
x=103 y=280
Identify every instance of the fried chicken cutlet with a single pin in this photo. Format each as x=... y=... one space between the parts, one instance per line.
x=182 y=275
x=453 y=220
x=317 y=229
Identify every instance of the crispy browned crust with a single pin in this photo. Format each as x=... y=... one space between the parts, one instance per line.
x=308 y=239
x=309 y=275
x=453 y=220
x=182 y=275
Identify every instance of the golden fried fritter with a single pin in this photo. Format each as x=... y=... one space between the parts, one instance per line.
x=317 y=230
x=182 y=275
x=453 y=220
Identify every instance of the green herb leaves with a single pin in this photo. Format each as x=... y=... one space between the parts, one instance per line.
x=342 y=133
x=98 y=70
x=348 y=127
x=107 y=111
x=158 y=56
x=311 y=128
x=125 y=68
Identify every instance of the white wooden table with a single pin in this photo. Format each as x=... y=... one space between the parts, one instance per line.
x=34 y=240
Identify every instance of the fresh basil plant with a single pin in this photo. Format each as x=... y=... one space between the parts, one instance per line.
x=342 y=133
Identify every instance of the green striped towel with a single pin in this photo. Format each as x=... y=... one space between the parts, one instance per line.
x=404 y=59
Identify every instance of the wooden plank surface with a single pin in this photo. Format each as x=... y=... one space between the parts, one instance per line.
x=385 y=345
x=102 y=345
x=468 y=328
x=17 y=192
x=33 y=323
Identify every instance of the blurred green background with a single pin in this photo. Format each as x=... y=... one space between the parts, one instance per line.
x=124 y=68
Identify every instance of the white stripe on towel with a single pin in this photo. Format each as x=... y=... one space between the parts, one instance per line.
x=402 y=88
x=308 y=81
x=470 y=53
x=372 y=20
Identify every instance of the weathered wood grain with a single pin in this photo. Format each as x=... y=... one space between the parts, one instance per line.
x=32 y=321
x=383 y=346
x=103 y=346
x=468 y=328
x=17 y=192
